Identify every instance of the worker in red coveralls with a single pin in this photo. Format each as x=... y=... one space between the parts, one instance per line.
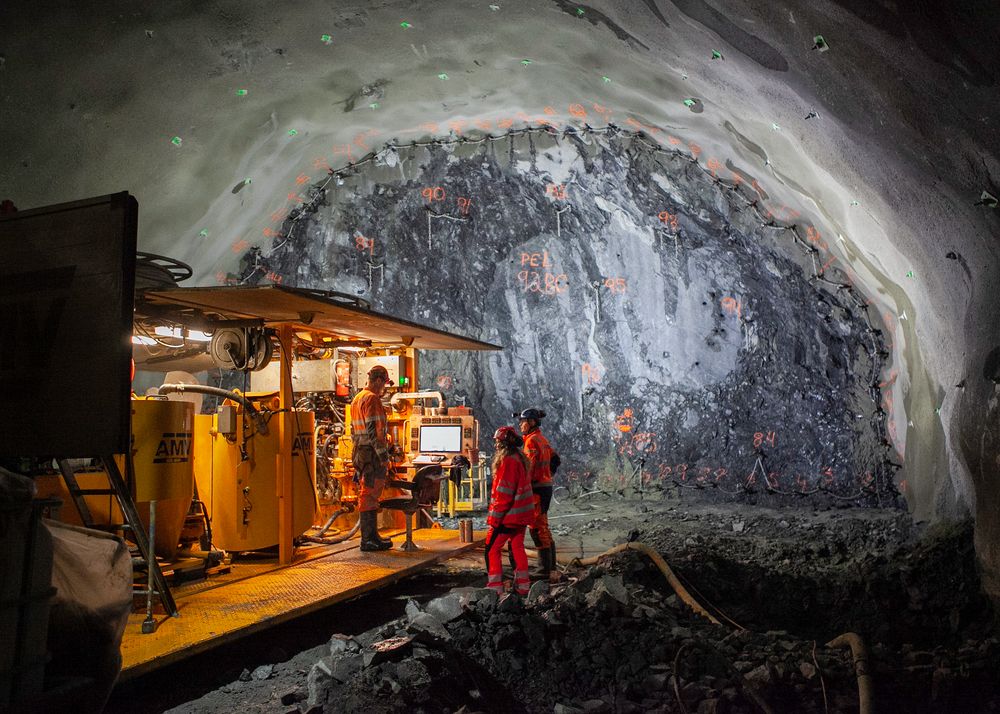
x=540 y=455
x=512 y=510
x=371 y=455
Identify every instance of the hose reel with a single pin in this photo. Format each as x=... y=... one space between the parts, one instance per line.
x=246 y=349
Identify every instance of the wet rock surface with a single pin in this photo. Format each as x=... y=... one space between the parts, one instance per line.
x=656 y=314
x=615 y=638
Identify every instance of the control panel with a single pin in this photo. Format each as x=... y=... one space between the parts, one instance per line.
x=444 y=436
x=395 y=365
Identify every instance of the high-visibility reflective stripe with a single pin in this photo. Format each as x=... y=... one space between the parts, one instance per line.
x=539 y=453
x=367 y=416
x=522 y=509
x=503 y=489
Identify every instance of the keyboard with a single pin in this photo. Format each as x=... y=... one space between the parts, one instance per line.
x=424 y=459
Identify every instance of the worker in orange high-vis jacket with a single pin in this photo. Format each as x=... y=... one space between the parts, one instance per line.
x=539 y=454
x=512 y=510
x=371 y=455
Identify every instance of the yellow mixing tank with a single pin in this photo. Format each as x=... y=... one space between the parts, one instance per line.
x=241 y=494
x=164 y=470
x=162 y=433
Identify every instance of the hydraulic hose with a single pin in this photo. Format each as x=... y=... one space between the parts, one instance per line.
x=659 y=562
x=247 y=405
x=336 y=539
x=860 y=654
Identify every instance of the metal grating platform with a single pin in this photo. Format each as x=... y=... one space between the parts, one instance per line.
x=217 y=615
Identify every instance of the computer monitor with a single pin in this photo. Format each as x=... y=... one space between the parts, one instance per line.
x=440 y=438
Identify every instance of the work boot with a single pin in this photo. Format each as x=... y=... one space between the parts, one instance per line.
x=384 y=541
x=369 y=533
x=553 y=564
x=543 y=568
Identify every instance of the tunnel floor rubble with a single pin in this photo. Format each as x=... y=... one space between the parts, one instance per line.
x=615 y=638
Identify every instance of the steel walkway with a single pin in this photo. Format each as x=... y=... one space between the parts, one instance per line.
x=218 y=614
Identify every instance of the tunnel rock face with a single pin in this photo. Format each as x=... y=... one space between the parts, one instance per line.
x=674 y=335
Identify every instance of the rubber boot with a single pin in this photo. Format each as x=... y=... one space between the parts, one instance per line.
x=553 y=565
x=384 y=541
x=369 y=533
x=542 y=571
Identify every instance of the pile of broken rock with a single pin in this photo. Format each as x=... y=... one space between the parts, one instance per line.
x=598 y=643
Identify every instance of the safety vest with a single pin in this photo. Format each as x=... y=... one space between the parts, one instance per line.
x=368 y=421
x=539 y=453
x=511 y=502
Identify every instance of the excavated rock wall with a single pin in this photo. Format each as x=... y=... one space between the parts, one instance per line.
x=674 y=334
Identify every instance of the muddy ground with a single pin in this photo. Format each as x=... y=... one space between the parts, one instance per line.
x=615 y=638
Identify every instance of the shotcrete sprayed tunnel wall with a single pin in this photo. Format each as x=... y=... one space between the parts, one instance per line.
x=662 y=318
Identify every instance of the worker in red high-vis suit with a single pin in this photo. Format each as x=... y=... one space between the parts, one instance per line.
x=371 y=455
x=539 y=454
x=512 y=510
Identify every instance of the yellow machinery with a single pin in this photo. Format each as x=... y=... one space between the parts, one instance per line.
x=247 y=323
x=236 y=470
x=424 y=435
x=162 y=434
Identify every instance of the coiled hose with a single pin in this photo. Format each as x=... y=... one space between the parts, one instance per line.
x=247 y=405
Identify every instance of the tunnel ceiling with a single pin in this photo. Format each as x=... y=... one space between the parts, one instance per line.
x=880 y=140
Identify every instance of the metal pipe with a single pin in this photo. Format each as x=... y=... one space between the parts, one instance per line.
x=149 y=624
x=417 y=395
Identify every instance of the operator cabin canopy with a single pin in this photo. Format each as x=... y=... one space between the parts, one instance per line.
x=331 y=319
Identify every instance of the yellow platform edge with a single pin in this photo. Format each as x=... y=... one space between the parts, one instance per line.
x=170 y=644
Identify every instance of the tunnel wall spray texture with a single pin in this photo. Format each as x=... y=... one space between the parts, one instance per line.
x=664 y=319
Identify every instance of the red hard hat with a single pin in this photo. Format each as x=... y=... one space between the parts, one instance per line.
x=509 y=436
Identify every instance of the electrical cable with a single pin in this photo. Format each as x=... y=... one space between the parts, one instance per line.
x=247 y=405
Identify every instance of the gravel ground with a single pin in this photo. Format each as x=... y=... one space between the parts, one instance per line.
x=614 y=637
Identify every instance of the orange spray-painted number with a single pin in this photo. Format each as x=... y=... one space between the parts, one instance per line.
x=760 y=438
x=615 y=285
x=544 y=283
x=732 y=306
x=668 y=219
x=623 y=421
x=557 y=191
x=591 y=373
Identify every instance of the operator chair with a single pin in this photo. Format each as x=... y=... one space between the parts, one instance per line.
x=425 y=490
